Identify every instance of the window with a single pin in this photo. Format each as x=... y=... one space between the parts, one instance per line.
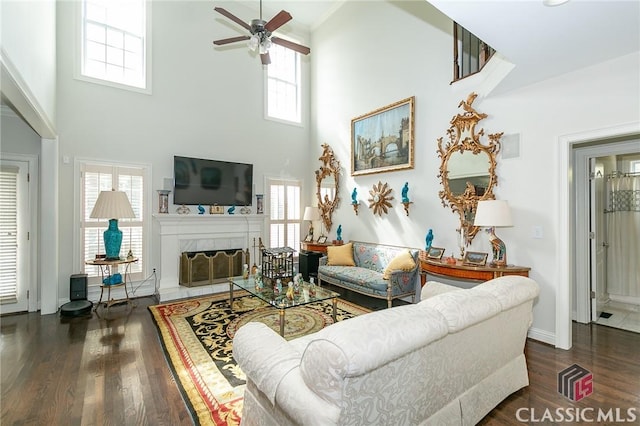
x=115 y=43
x=104 y=177
x=283 y=85
x=284 y=213
x=9 y=234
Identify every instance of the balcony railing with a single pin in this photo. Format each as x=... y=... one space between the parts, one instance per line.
x=470 y=53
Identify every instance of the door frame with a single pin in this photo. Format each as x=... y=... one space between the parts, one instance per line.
x=567 y=265
x=583 y=211
x=32 y=279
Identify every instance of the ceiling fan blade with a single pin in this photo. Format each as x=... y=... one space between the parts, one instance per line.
x=277 y=21
x=230 y=40
x=291 y=45
x=264 y=57
x=233 y=17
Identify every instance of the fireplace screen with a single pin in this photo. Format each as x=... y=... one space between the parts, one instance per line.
x=199 y=268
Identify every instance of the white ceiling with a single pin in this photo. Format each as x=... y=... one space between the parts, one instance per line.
x=540 y=41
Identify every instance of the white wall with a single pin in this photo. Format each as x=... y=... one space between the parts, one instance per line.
x=355 y=73
x=206 y=102
x=29 y=57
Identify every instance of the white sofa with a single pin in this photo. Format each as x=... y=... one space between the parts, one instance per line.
x=447 y=360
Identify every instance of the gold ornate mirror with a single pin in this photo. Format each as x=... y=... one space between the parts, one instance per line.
x=468 y=168
x=327 y=185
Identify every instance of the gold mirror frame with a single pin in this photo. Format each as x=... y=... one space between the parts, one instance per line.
x=462 y=138
x=330 y=168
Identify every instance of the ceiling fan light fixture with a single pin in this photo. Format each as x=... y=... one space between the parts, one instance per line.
x=253 y=42
x=265 y=46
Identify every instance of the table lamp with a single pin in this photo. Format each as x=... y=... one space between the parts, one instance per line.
x=112 y=205
x=492 y=214
x=311 y=214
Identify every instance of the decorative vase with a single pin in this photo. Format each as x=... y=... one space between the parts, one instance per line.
x=112 y=240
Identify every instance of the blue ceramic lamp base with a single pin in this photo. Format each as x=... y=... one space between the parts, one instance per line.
x=112 y=240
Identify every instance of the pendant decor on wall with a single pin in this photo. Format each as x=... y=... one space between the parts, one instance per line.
x=380 y=198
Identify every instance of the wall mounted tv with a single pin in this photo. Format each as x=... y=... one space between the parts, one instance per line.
x=209 y=182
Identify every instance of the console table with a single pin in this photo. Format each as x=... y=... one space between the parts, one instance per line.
x=440 y=268
x=106 y=271
x=316 y=246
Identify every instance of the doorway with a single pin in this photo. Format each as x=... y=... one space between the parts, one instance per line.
x=607 y=247
x=15 y=241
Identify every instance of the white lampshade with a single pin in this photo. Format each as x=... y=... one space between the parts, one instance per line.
x=311 y=213
x=112 y=205
x=493 y=213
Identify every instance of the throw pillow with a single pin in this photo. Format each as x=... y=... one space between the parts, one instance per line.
x=340 y=255
x=403 y=262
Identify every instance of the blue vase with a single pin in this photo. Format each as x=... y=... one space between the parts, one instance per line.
x=112 y=240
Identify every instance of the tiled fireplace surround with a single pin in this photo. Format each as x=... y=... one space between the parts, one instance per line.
x=180 y=233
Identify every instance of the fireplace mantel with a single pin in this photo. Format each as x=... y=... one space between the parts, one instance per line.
x=178 y=233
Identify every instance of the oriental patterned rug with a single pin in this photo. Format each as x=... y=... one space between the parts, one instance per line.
x=196 y=336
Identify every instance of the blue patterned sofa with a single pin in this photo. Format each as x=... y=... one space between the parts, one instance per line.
x=367 y=276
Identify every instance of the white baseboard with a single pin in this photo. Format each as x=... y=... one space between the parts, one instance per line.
x=542 y=336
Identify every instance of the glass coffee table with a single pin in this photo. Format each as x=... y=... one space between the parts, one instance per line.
x=280 y=300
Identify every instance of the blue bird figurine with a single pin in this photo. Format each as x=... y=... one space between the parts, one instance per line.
x=405 y=190
x=429 y=240
x=200 y=209
x=231 y=209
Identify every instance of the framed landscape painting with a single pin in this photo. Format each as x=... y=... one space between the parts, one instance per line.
x=382 y=140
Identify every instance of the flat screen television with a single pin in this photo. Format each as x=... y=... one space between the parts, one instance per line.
x=209 y=182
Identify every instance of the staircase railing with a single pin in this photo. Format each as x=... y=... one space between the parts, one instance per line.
x=470 y=54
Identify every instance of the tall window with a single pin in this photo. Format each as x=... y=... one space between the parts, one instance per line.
x=284 y=213
x=283 y=85
x=103 y=177
x=114 y=42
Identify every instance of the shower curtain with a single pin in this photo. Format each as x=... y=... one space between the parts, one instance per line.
x=623 y=235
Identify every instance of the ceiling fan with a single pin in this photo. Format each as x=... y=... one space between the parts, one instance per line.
x=261 y=34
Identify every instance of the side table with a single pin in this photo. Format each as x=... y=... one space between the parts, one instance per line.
x=106 y=271
x=458 y=270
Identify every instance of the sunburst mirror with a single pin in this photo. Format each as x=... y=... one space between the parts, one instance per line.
x=380 y=198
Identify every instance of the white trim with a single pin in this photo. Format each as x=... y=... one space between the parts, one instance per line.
x=566 y=208
x=24 y=101
x=146 y=214
x=49 y=226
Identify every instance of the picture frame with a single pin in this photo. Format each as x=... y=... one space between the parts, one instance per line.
x=309 y=238
x=435 y=253
x=216 y=209
x=383 y=140
x=322 y=240
x=475 y=258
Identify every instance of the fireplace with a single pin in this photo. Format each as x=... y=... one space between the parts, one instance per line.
x=199 y=268
x=177 y=234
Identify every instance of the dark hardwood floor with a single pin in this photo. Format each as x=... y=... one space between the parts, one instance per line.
x=109 y=368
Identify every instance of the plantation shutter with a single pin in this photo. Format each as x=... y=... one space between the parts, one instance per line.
x=284 y=214
x=8 y=234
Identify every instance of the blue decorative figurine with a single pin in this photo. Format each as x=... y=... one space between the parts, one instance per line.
x=231 y=209
x=405 y=190
x=354 y=196
x=339 y=233
x=429 y=240
x=200 y=209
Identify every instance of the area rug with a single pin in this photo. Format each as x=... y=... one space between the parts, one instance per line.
x=196 y=335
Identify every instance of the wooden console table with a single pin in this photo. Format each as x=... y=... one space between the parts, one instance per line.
x=316 y=246
x=440 y=268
